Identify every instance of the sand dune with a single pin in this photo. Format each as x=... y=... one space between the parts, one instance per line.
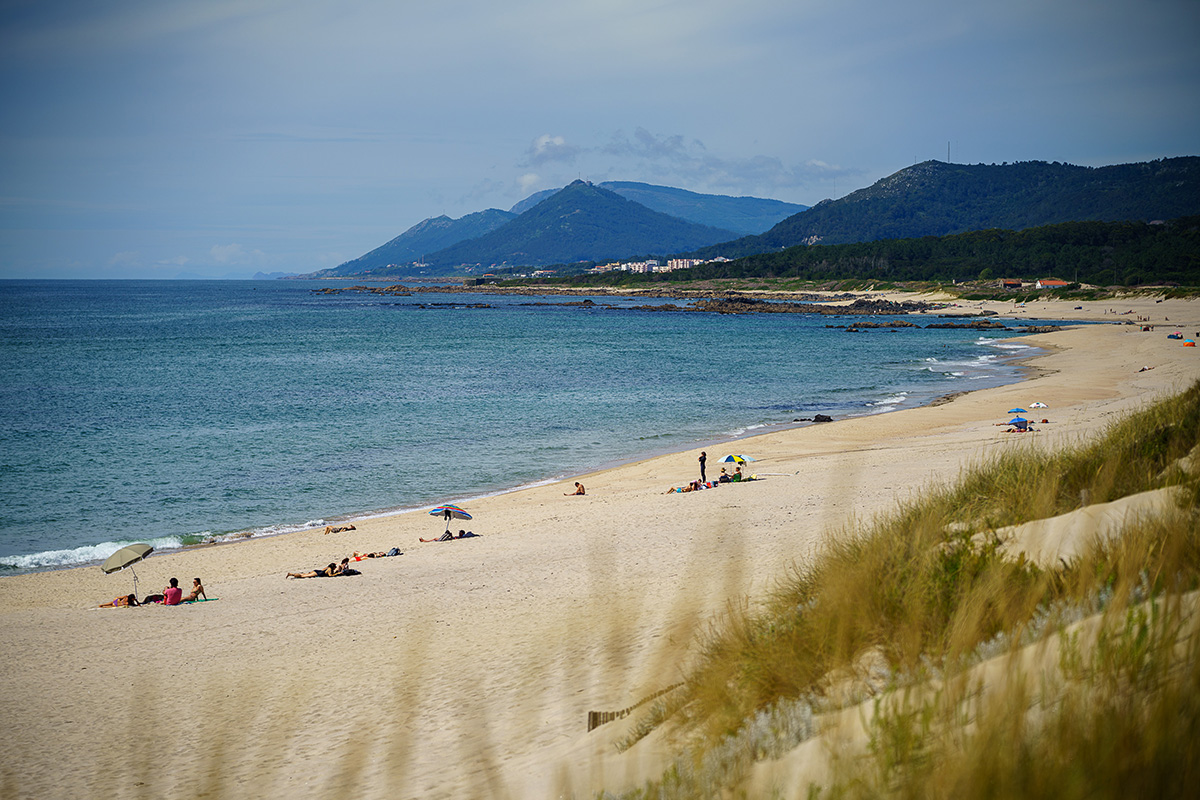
x=467 y=668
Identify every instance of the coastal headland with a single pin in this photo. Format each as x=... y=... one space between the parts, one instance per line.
x=468 y=668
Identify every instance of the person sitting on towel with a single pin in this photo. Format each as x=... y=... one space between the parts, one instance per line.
x=173 y=595
x=197 y=592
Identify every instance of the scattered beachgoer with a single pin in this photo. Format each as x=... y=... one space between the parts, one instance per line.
x=173 y=595
x=344 y=569
x=121 y=602
x=339 y=528
x=467 y=535
x=395 y=551
x=197 y=591
x=723 y=477
x=445 y=537
x=325 y=572
x=578 y=490
x=703 y=458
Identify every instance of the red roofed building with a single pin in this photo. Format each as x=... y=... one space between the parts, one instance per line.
x=1052 y=283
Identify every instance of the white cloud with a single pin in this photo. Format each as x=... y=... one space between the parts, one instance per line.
x=529 y=182
x=547 y=148
x=227 y=253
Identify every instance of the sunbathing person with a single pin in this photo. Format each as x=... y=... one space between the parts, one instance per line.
x=339 y=528
x=578 y=490
x=445 y=537
x=197 y=591
x=326 y=572
x=121 y=602
x=344 y=568
x=395 y=551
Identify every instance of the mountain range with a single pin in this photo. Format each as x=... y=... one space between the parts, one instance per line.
x=629 y=233
x=586 y=222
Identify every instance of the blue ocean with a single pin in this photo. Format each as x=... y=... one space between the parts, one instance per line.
x=190 y=411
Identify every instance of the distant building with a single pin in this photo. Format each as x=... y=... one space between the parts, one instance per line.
x=1052 y=283
x=1010 y=284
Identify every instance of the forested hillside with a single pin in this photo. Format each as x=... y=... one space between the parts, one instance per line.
x=1099 y=253
x=937 y=199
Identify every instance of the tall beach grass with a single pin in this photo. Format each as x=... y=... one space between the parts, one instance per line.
x=919 y=598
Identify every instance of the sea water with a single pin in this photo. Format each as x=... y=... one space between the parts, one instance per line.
x=181 y=412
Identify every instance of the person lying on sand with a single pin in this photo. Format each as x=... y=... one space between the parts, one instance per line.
x=449 y=537
x=395 y=551
x=197 y=591
x=326 y=572
x=339 y=528
x=344 y=568
x=578 y=490
x=121 y=602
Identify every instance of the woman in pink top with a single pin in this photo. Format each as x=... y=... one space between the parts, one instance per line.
x=172 y=595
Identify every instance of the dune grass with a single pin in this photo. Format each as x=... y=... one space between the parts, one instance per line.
x=926 y=593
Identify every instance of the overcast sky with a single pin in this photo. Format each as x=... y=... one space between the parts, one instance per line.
x=159 y=138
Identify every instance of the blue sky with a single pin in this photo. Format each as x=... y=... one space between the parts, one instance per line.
x=160 y=138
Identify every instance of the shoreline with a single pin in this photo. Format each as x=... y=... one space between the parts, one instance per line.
x=490 y=652
x=1019 y=362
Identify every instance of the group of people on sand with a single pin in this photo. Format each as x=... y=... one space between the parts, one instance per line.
x=344 y=569
x=171 y=595
x=724 y=477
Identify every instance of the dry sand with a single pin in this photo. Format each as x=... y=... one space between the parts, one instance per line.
x=467 y=668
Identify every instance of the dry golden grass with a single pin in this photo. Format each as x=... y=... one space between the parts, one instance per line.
x=927 y=593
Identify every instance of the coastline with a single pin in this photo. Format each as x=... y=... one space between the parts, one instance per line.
x=492 y=650
x=712 y=441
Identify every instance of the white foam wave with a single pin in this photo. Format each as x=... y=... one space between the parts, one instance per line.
x=83 y=555
x=892 y=401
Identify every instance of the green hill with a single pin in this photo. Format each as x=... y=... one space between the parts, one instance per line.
x=581 y=222
x=937 y=199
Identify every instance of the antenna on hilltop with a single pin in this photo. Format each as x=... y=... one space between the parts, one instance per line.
x=947 y=151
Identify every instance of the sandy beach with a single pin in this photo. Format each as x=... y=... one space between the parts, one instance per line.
x=468 y=668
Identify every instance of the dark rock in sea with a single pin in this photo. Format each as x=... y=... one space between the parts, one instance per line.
x=822 y=418
x=1040 y=329
x=979 y=325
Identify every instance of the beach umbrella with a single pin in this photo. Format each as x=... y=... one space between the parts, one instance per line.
x=126 y=557
x=449 y=512
x=738 y=459
x=1017 y=411
x=1038 y=405
x=1015 y=420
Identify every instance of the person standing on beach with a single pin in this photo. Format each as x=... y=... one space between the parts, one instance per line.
x=703 y=458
